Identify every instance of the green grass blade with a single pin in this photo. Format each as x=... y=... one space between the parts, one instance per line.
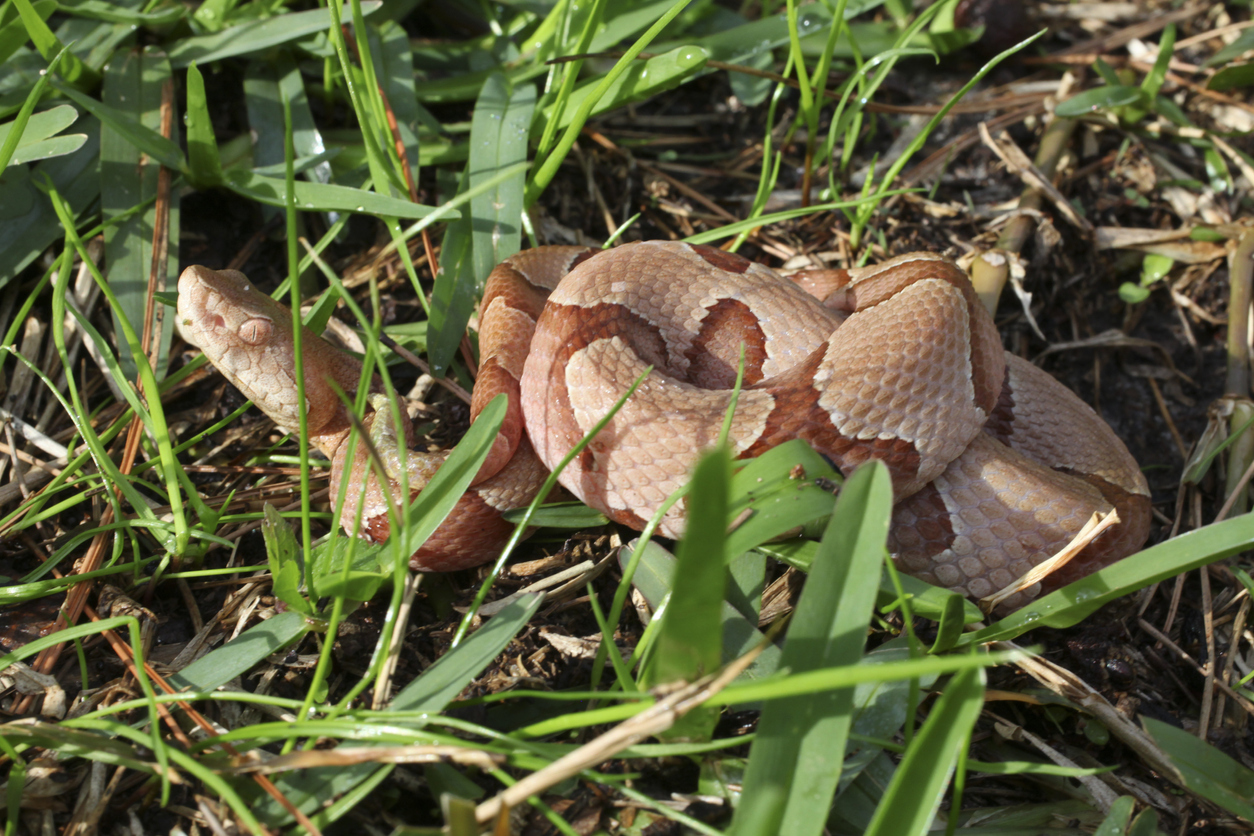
x=322 y=197
x=453 y=296
x=911 y=800
x=13 y=30
x=548 y=169
x=1106 y=97
x=145 y=139
x=638 y=82
x=655 y=578
x=204 y=165
x=222 y=664
x=1154 y=79
x=780 y=502
x=266 y=86
x=430 y=692
x=57 y=146
x=110 y=12
x=39 y=126
x=1075 y=602
x=72 y=69
x=1207 y=771
x=132 y=85
x=469 y=250
x=498 y=140
x=689 y=645
x=454 y=476
x=925 y=600
x=257 y=35
x=444 y=680
x=395 y=71
x=794 y=764
x=15 y=131
x=1116 y=821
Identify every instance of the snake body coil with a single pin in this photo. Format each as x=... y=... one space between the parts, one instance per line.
x=995 y=465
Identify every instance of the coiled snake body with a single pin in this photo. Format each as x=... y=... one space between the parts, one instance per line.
x=995 y=465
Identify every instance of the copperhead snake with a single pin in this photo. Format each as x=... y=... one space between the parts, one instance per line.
x=995 y=465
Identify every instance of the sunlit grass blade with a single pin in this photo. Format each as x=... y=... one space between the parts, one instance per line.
x=203 y=162
x=222 y=664
x=780 y=501
x=1075 y=602
x=163 y=15
x=144 y=139
x=322 y=197
x=13 y=30
x=72 y=69
x=38 y=140
x=431 y=692
x=498 y=140
x=911 y=800
x=689 y=645
x=546 y=170
x=794 y=764
x=256 y=35
x=641 y=80
x=15 y=132
x=71 y=742
x=655 y=577
x=453 y=478
x=925 y=600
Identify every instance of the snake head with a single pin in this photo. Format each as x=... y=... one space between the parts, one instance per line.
x=248 y=337
x=220 y=308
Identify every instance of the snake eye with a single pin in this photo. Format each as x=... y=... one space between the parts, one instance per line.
x=256 y=331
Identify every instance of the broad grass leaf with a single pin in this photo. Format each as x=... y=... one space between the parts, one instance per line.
x=640 y=81
x=654 y=577
x=133 y=85
x=222 y=664
x=689 y=645
x=203 y=161
x=794 y=764
x=257 y=35
x=1116 y=821
x=145 y=139
x=912 y=798
x=1106 y=97
x=1207 y=771
x=925 y=600
x=42 y=125
x=13 y=30
x=498 y=140
x=781 y=501
x=322 y=197
x=57 y=146
x=1231 y=78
